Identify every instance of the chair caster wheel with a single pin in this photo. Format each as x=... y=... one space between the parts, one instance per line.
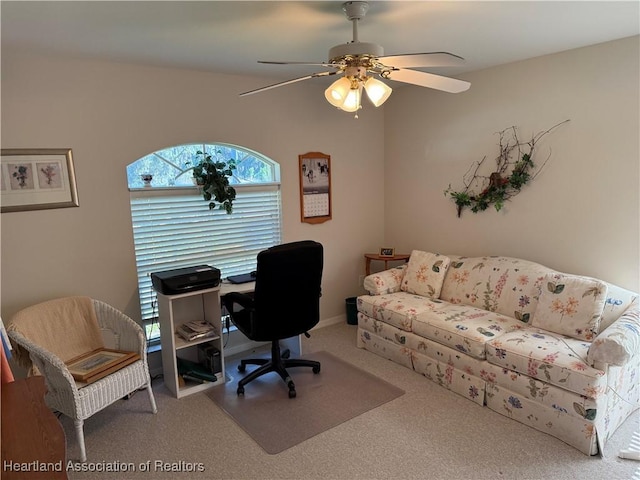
x=316 y=369
x=242 y=368
x=240 y=391
x=292 y=389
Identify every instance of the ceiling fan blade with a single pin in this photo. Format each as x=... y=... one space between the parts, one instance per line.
x=322 y=64
x=287 y=82
x=429 y=80
x=412 y=60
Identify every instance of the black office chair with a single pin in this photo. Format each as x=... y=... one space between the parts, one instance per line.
x=285 y=303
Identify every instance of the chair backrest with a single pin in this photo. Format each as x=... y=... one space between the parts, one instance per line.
x=288 y=289
x=66 y=327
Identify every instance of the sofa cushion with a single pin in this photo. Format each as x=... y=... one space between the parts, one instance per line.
x=425 y=274
x=446 y=366
x=397 y=309
x=462 y=327
x=550 y=357
x=571 y=305
x=392 y=351
x=424 y=346
x=506 y=285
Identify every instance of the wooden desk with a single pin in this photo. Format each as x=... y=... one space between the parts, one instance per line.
x=31 y=434
x=374 y=256
x=226 y=287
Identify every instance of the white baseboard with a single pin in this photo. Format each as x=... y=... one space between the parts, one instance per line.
x=238 y=343
x=243 y=347
x=331 y=321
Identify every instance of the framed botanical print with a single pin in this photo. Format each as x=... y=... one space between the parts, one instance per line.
x=99 y=363
x=35 y=179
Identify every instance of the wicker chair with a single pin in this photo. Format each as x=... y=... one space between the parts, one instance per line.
x=77 y=400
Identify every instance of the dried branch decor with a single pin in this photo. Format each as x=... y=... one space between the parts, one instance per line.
x=509 y=175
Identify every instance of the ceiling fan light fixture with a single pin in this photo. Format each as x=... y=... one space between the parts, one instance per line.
x=338 y=91
x=352 y=102
x=358 y=62
x=377 y=91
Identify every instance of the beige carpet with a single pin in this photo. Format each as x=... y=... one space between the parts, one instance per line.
x=338 y=393
x=427 y=433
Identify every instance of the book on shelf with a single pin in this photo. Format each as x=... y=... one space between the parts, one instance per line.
x=195 y=330
x=193 y=378
x=194 y=371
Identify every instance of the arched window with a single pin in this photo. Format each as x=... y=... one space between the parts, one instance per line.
x=174 y=228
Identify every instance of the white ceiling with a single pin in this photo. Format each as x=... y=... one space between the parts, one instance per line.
x=229 y=37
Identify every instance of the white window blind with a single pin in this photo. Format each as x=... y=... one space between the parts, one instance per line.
x=174 y=228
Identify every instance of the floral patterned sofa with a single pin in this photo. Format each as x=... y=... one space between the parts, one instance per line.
x=557 y=352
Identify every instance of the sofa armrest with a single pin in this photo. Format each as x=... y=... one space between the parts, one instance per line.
x=618 y=342
x=387 y=281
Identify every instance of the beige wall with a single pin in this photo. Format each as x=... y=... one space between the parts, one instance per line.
x=390 y=167
x=110 y=114
x=580 y=215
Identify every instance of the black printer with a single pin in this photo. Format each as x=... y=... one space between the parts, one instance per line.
x=182 y=280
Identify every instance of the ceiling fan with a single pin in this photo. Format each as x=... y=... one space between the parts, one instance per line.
x=360 y=62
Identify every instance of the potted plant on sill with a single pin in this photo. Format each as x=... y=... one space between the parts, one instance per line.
x=212 y=177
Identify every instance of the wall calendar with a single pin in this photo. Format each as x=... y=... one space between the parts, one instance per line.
x=315 y=187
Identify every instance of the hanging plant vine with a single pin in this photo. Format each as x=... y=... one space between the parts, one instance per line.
x=212 y=177
x=508 y=178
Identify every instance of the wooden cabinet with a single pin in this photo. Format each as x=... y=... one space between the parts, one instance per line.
x=175 y=310
x=31 y=433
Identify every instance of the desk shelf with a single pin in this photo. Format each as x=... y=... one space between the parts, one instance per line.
x=204 y=305
x=180 y=342
x=175 y=310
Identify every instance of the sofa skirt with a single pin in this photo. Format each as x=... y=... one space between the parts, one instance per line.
x=582 y=422
x=578 y=432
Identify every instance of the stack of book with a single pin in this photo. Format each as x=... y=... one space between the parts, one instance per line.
x=196 y=330
x=195 y=372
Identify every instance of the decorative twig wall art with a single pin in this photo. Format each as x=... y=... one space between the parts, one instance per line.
x=514 y=168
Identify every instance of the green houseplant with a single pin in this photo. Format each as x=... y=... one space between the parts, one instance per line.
x=212 y=177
